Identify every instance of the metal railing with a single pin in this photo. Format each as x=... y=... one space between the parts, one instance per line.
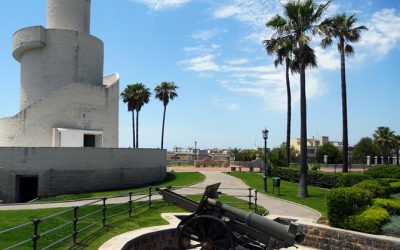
x=100 y=210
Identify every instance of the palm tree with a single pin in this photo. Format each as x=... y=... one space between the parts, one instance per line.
x=342 y=27
x=128 y=96
x=300 y=22
x=384 y=137
x=164 y=92
x=397 y=148
x=142 y=96
x=283 y=48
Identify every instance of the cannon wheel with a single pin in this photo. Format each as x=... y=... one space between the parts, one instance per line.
x=205 y=232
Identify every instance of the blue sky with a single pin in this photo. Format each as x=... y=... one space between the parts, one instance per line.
x=229 y=89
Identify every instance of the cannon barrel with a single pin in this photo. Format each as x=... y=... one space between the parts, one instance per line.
x=258 y=222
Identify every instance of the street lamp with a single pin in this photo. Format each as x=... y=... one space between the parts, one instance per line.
x=265 y=136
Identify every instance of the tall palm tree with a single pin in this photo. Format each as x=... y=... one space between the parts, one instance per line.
x=165 y=92
x=384 y=138
x=128 y=97
x=342 y=27
x=300 y=22
x=142 y=96
x=283 y=49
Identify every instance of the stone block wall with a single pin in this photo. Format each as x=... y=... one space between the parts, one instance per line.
x=322 y=237
x=158 y=240
x=77 y=170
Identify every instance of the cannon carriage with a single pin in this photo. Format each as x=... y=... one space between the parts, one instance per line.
x=214 y=225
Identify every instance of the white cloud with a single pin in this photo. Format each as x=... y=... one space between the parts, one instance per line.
x=201 y=63
x=224 y=103
x=226 y=11
x=202 y=49
x=207 y=34
x=237 y=61
x=158 y=5
x=328 y=58
x=383 y=32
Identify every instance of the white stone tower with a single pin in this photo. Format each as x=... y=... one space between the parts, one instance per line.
x=64 y=99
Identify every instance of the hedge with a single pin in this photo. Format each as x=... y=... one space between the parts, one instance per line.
x=377 y=188
x=344 y=202
x=395 y=186
x=369 y=220
x=384 y=172
x=321 y=179
x=391 y=205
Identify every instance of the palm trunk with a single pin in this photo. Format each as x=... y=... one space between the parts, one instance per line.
x=133 y=129
x=397 y=156
x=162 y=129
x=345 y=167
x=289 y=114
x=303 y=192
x=137 y=129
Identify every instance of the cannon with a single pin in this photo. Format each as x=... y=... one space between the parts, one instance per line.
x=214 y=225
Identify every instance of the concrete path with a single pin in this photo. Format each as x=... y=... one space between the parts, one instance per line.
x=274 y=205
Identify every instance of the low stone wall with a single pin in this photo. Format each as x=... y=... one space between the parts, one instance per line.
x=77 y=170
x=158 y=240
x=324 y=237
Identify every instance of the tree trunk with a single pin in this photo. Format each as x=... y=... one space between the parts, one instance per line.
x=162 y=130
x=397 y=156
x=133 y=129
x=137 y=129
x=303 y=192
x=345 y=167
x=289 y=114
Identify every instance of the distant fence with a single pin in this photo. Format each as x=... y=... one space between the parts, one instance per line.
x=84 y=217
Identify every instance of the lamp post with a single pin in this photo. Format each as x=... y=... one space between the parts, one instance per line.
x=265 y=136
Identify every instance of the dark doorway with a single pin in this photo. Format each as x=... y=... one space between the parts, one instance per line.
x=89 y=141
x=27 y=188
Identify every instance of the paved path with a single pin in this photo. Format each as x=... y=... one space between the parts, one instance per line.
x=275 y=206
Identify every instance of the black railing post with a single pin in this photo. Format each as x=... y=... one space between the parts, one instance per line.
x=75 y=224
x=35 y=236
x=104 y=211
x=169 y=189
x=250 y=197
x=130 y=204
x=255 y=201
x=150 y=194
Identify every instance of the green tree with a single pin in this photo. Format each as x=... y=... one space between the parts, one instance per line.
x=128 y=97
x=142 y=96
x=165 y=92
x=300 y=23
x=365 y=147
x=277 y=156
x=397 y=148
x=342 y=28
x=245 y=154
x=384 y=137
x=282 y=47
x=333 y=153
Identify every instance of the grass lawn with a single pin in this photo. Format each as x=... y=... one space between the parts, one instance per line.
x=94 y=237
x=172 y=179
x=315 y=200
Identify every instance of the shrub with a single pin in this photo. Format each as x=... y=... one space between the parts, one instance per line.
x=349 y=179
x=368 y=220
x=384 y=172
x=391 y=205
x=344 y=202
x=395 y=187
x=378 y=189
x=392 y=227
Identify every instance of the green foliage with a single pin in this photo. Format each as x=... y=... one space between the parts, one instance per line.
x=384 y=172
x=333 y=153
x=365 y=147
x=377 y=188
x=349 y=179
x=321 y=179
x=277 y=156
x=391 y=205
x=395 y=186
x=392 y=228
x=344 y=202
x=368 y=220
x=246 y=154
